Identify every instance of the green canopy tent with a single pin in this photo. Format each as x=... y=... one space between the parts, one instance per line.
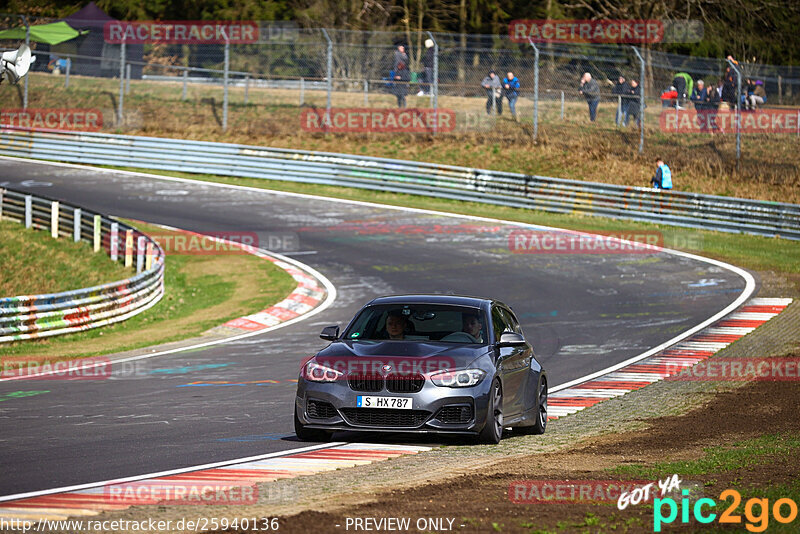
x=51 y=34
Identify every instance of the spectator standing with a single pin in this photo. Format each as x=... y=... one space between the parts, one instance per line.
x=401 y=75
x=729 y=95
x=662 y=179
x=621 y=90
x=427 y=66
x=494 y=93
x=511 y=89
x=632 y=107
x=591 y=92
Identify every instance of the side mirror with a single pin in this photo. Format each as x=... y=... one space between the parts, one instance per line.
x=330 y=333
x=511 y=339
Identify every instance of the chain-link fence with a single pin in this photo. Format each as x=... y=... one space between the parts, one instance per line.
x=291 y=81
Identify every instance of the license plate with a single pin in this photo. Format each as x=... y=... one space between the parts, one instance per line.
x=398 y=403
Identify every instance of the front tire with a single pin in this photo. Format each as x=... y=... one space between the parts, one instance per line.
x=492 y=432
x=310 y=434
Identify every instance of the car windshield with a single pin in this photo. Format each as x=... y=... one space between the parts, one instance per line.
x=419 y=322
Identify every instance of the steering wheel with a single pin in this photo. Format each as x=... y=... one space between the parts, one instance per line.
x=462 y=337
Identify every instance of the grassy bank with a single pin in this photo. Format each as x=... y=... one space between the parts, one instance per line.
x=568 y=148
x=32 y=263
x=200 y=292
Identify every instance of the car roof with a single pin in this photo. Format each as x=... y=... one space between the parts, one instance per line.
x=456 y=300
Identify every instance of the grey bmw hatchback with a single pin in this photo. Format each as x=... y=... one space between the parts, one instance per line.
x=423 y=364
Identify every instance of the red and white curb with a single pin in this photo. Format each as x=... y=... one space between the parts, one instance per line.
x=117 y=495
x=669 y=362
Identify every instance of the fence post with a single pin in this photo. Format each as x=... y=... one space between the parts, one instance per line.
x=435 y=85
x=128 y=79
x=185 y=81
x=535 y=89
x=113 y=243
x=54 y=205
x=562 y=105
x=738 y=111
x=139 y=253
x=302 y=91
x=641 y=98
x=98 y=233
x=225 y=80
x=28 y=211
x=121 y=82
x=329 y=74
x=77 y=214
x=246 y=87
x=148 y=259
x=366 y=93
x=66 y=74
x=128 y=248
x=619 y=110
x=27 y=43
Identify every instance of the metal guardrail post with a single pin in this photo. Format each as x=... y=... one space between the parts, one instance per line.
x=54 y=213
x=140 y=244
x=113 y=243
x=434 y=87
x=535 y=89
x=225 y=79
x=97 y=236
x=185 y=82
x=77 y=215
x=738 y=111
x=66 y=74
x=28 y=211
x=329 y=75
x=121 y=82
x=641 y=98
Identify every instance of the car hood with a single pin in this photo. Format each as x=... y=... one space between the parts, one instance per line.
x=420 y=355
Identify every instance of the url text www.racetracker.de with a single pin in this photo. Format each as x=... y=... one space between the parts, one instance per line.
x=251 y=524
x=149 y=525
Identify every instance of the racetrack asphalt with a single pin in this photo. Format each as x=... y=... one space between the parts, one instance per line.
x=582 y=313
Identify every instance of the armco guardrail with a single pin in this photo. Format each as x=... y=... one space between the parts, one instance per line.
x=36 y=316
x=495 y=187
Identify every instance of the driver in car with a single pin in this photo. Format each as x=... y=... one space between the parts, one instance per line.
x=471 y=324
x=396 y=325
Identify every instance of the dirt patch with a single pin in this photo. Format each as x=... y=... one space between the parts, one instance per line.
x=480 y=502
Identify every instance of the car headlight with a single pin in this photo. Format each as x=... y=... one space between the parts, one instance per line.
x=316 y=372
x=463 y=378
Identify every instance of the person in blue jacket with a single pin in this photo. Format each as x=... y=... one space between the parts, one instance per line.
x=511 y=89
x=663 y=176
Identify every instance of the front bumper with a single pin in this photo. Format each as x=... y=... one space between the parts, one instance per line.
x=427 y=405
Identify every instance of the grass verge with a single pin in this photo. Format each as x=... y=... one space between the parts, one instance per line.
x=200 y=292
x=32 y=262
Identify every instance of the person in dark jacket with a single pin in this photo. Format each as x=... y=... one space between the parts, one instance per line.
x=699 y=96
x=591 y=92
x=730 y=80
x=401 y=75
x=632 y=107
x=621 y=90
x=511 y=89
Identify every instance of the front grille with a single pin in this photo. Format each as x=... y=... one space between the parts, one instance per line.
x=365 y=382
x=320 y=410
x=385 y=417
x=455 y=414
x=404 y=383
